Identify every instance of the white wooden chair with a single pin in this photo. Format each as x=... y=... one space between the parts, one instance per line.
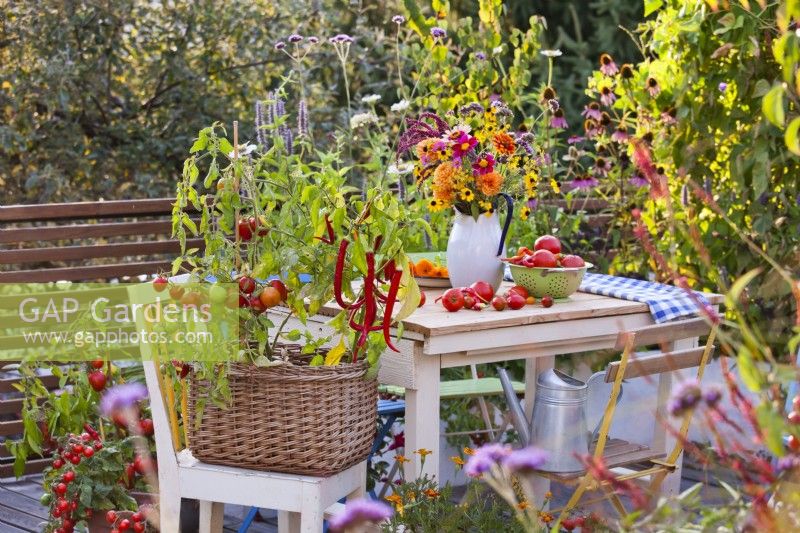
x=302 y=501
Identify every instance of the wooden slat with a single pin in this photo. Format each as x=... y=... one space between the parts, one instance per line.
x=12 y=427
x=78 y=210
x=668 y=332
x=9 y=407
x=23 y=502
x=7 y=384
x=85 y=231
x=85 y=273
x=657 y=363
x=73 y=253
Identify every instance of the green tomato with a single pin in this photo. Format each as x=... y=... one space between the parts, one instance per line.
x=46 y=499
x=217 y=294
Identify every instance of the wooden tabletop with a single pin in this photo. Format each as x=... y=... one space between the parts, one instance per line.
x=433 y=319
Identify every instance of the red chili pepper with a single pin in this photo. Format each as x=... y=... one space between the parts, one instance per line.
x=329 y=230
x=90 y=430
x=371 y=306
x=337 y=279
x=387 y=311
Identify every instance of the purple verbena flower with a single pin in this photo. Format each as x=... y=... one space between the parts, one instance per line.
x=295 y=38
x=480 y=56
x=280 y=45
x=358 y=512
x=712 y=396
x=525 y=460
x=121 y=397
x=484 y=458
x=685 y=398
x=313 y=39
x=438 y=33
x=722 y=86
x=341 y=38
x=398 y=19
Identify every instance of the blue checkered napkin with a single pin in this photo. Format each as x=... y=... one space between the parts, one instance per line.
x=666 y=302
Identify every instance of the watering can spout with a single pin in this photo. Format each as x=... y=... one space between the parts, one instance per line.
x=517 y=414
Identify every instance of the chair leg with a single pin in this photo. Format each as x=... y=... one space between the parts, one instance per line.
x=615 y=501
x=169 y=504
x=288 y=522
x=311 y=521
x=211 y=516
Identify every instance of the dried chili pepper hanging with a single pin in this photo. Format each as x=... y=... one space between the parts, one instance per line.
x=329 y=230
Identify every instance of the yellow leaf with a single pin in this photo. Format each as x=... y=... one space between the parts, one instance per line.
x=336 y=353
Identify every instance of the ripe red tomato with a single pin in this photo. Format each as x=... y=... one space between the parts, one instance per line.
x=794 y=417
x=68 y=476
x=270 y=297
x=499 y=303
x=97 y=380
x=247 y=284
x=484 y=290
x=470 y=301
x=146 y=424
x=522 y=291
x=138 y=527
x=244 y=301
x=544 y=259
x=281 y=288
x=421 y=298
x=549 y=243
x=794 y=443
x=572 y=261
x=60 y=489
x=97 y=363
x=124 y=524
x=528 y=261
x=88 y=452
x=137 y=516
x=516 y=301
x=58 y=463
x=245 y=233
x=256 y=306
x=453 y=300
x=160 y=283
x=547 y=301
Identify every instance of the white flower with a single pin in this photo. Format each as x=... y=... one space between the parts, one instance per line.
x=362 y=119
x=400 y=106
x=551 y=53
x=244 y=149
x=370 y=98
x=497 y=49
x=400 y=168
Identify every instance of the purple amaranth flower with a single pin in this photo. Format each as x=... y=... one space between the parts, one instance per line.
x=302 y=118
x=398 y=19
x=484 y=164
x=480 y=56
x=525 y=460
x=712 y=396
x=653 y=87
x=607 y=96
x=121 y=397
x=592 y=111
x=638 y=181
x=607 y=65
x=270 y=108
x=620 y=134
x=438 y=33
x=558 y=120
x=261 y=135
x=288 y=138
x=485 y=457
x=463 y=144
x=584 y=182
x=574 y=139
x=359 y=512
x=295 y=38
x=685 y=398
x=280 y=45
x=722 y=86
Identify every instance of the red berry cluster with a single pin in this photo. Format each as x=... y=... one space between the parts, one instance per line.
x=65 y=502
x=126 y=521
x=97 y=378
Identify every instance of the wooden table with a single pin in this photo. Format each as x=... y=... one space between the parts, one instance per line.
x=434 y=339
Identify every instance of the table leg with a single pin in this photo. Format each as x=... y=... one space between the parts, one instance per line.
x=533 y=367
x=663 y=440
x=422 y=417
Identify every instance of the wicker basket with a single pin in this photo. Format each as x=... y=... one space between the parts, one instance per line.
x=291 y=418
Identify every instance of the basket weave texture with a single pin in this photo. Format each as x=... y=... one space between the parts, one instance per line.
x=296 y=419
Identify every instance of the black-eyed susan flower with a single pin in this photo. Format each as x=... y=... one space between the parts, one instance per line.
x=555 y=186
x=466 y=194
x=525 y=212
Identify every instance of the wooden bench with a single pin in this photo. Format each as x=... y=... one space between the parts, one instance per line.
x=81 y=241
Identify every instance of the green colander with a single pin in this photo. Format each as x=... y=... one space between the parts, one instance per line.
x=555 y=282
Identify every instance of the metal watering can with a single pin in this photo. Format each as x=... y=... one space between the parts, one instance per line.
x=560 y=422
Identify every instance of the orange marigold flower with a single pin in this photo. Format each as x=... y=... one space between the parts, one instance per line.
x=457 y=460
x=401 y=459
x=394 y=498
x=424 y=451
x=431 y=493
x=490 y=183
x=468 y=451
x=425 y=269
x=504 y=143
x=523 y=505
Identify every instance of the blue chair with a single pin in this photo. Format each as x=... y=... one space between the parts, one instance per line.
x=388 y=413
